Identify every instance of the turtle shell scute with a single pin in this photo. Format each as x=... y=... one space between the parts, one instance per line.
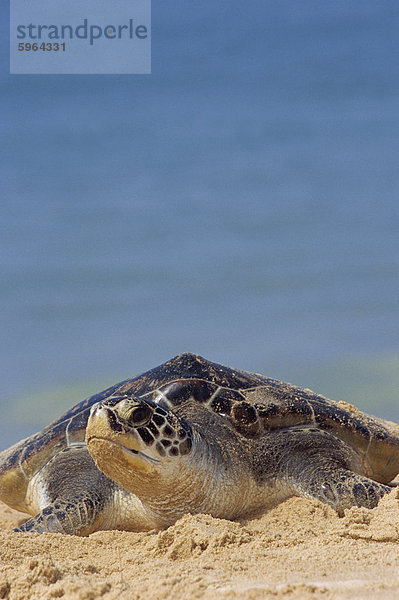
x=244 y=413
x=182 y=390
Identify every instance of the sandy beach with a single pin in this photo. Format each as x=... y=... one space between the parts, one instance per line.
x=297 y=550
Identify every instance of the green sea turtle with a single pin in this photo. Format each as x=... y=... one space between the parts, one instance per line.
x=195 y=436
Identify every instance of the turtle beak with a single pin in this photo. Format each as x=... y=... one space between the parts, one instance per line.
x=109 y=440
x=105 y=422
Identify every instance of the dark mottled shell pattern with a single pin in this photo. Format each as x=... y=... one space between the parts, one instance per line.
x=252 y=404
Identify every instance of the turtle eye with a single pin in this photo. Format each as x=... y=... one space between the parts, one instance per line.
x=140 y=415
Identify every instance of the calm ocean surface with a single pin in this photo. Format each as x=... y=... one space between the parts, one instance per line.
x=241 y=202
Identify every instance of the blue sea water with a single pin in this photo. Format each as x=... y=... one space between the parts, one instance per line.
x=241 y=202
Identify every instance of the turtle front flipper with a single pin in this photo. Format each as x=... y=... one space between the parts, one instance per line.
x=341 y=489
x=69 y=495
x=77 y=516
x=320 y=466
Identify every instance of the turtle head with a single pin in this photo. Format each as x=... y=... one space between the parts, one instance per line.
x=132 y=438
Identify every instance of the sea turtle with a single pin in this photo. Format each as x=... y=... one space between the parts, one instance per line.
x=195 y=436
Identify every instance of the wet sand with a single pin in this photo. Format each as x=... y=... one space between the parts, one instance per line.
x=298 y=550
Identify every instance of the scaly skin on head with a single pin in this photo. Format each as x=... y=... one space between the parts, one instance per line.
x=196 y=436
x=172 y=467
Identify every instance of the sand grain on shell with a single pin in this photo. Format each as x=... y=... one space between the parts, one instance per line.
x=298 y=550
